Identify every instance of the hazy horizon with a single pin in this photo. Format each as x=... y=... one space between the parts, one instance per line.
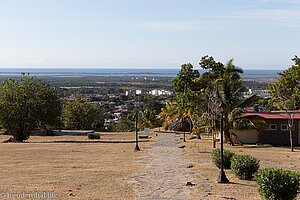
x=170 y=68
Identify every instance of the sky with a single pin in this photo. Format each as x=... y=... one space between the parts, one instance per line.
x=258 y=34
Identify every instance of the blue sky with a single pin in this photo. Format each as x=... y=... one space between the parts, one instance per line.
x=258 y=34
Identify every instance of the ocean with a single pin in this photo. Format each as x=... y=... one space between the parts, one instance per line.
x=116 y=72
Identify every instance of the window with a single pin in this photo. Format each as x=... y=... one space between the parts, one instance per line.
x=273 y=127
x=284 y=127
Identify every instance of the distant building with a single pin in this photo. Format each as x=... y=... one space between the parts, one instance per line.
x=139 y=92
x=154 y=92
x=129 y=92
x=261 y=93
x=160 y=92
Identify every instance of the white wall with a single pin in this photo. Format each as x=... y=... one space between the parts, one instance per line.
x=247 y=136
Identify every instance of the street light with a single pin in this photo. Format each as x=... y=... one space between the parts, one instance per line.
x=137 y=148
x=183 y=127
x=222 y=177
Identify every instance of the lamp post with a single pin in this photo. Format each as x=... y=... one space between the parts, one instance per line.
x=137 y=148
x=159 y=123
x=222 y=177
x=183 y=127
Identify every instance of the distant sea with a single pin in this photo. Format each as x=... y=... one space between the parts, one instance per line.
x=116 y=72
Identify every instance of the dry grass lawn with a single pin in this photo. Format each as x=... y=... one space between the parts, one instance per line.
x=199 y=151
x=80 y=169
x=74 y=167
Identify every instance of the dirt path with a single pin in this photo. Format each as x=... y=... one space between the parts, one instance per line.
x=166 y=173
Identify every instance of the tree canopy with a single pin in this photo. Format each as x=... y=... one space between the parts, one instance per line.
x=285 y=94
x=28 y=104
x=80 y=114
x=200 y=96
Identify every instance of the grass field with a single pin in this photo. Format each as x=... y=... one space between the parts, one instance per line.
x=199 y=151
x=72 y=167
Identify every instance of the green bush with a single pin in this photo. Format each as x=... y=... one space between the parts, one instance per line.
x=94 y=135
x=277 y=183
x=216 y=158
x=244 y=166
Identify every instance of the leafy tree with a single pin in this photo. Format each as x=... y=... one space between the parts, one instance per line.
x=285 y=94
x=126 y=123
x=187 y=92
x=80 y=114
x=153 y=104
x=28 y=104
x=200 y=96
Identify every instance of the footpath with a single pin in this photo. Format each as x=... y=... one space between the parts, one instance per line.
x=166 y=173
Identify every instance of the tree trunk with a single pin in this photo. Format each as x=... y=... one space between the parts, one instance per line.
x=196 y=127
x=214 y=129
x=190 y=126
x=210 y=129
x=227 y=132
x=291 y=139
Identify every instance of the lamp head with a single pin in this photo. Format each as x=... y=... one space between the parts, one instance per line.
x=222 y=107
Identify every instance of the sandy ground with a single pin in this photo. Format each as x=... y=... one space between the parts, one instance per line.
x=71 y=167
x=199 y=153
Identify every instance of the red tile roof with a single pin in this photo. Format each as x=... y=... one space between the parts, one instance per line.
x=275 y=114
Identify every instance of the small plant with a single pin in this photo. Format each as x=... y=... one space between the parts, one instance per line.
x=277 y=183
x=216 y=158
x=244 y=166
x=94 y=135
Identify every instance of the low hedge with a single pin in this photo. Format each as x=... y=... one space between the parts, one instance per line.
x=94 y=135
x=244 y=166
x=216 y=158
x=274 y=183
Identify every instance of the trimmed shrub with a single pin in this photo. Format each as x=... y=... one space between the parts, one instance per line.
x=244 y=166
x=94 y=135
x=216 y=158
x=276 y=183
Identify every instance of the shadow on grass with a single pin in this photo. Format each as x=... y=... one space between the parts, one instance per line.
x=164 y=131
x=265 y=146
x=87 y=142
x=253 y=146
x=242 y=184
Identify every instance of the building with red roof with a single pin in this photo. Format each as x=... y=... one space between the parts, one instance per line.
x=275 y=131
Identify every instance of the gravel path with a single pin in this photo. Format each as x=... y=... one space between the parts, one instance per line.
x=166 y=174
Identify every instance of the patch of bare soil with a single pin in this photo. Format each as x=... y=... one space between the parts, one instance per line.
x=71 y=167
x=199 y=153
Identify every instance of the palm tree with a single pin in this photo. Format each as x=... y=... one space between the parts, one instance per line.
x=168 y=113
x=230 y=90
x=147 y=119
x=173 y=115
